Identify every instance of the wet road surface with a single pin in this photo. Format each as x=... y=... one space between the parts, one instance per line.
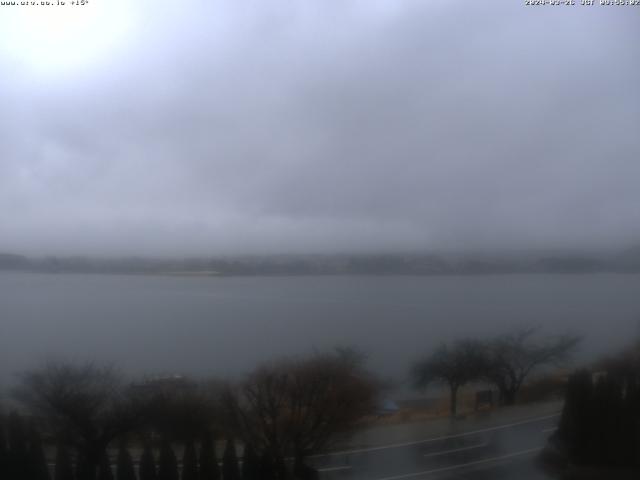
x=503 y=451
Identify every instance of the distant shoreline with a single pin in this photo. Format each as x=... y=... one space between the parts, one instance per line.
x=340 y=264
x=197 y=274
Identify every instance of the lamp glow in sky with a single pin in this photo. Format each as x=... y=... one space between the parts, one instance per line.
x=200 y=127
x=61 y=38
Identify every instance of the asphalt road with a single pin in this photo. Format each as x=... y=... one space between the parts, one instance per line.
x=501 y=451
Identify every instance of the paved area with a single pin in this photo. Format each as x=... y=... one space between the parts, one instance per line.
x=502 y=445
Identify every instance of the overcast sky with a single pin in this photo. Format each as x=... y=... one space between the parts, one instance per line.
x=207 y=127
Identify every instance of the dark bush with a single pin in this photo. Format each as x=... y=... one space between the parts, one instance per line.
x=189 y=462
x=600 y=423
x=124 y=466
x=63 y=469
x=250 y=464
x=37 y=463
x=147 y=464
x=18 y=454
x=167 y=463
x=104 y=470
x=209 y=469
x=230 y=470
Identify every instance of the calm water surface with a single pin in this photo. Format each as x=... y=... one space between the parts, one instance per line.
x=223 y=326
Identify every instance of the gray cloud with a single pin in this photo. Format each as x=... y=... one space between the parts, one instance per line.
x=331 y=126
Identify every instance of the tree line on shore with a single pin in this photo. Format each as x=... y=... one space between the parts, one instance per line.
x=381 y=264
x=280 y=414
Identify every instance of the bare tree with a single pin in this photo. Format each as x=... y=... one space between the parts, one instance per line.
x=511 y=358
x=300 y=407
x=454 y=365
x=86 y=405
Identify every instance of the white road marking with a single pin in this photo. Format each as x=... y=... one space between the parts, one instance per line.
x=435 y=439
x=334 y=469
x=453 y=450
x=462 y=465
x=547 y=430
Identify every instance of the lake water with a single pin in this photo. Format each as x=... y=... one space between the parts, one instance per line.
x=224 y=326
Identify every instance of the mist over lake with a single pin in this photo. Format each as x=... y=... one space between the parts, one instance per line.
x=225 y=326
